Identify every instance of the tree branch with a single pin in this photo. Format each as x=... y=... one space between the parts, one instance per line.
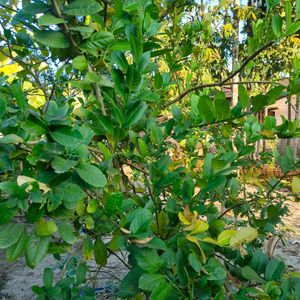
x=267 y=196
x=64 y=26
x=225 y=81
x=98 y=94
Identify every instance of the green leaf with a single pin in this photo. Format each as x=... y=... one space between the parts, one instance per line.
x=88 y=221
x=295 y=27
x=275 y=93
x=45 y=228
x=11 y=139
x=259 y=102
x=129 y=285
x=85 y=31
x=222 y=108
x=105 y=151
x=66 y=231
x=10 y=234
x=188 y=189
x=67 y=137
x=53 y=39
x=133 y=78
x=195 y=262
x=88 y=248
x=18 y=95
x=100 y=252
x=3 y=106
x=82 y=8
x=130 y=5
x=121 y=45
x=70 y=194
x=34 y=125
x=81 y=273
x=156 y=135
x=106 y=124
x=148 y=260
x=46 y=20
x=205 y=108
x=259 y=261
x=120 y=60
x=56 y=114
x=60 y=165
x=92 y=206
x=136 y=48
x=6 y=212
x=149 y=281
x=250 y=274
x=277 y=24
x=48 y=278
x=215 y=270
x=80 y=63
x=142 y=218
x=161 y=292
x=114 y=203
x=225 y=236
x=168 y=179
x=134 y=113
x=92 y=175
x=244 y=235
x=98 y=40
x=243 y=96
x=274 y=269
x=36 y=249
x=288 y=13
x=16 y=250
x=143 y=147
x=119 y=82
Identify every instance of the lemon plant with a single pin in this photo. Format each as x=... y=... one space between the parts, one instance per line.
x=88 y=132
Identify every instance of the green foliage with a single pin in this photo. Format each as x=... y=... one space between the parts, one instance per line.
x=110 y=126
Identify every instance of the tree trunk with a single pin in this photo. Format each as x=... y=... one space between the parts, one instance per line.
x=235 y=53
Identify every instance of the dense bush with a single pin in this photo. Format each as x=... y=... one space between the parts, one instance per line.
x=110 y=129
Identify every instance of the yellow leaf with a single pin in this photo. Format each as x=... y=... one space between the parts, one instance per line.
x=143 y=241
x=10 y=69
x=80 y=208
x=124 y=230
x=225 y=236
x=37 y=99
x=242 y=236
x=27 y=85
x=197 y=227
x=296 y=185
x=24 y=179
x=183 y=219
x=268 y=134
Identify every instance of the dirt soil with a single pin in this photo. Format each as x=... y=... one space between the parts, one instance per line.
x=16 y=278
x=289 y=251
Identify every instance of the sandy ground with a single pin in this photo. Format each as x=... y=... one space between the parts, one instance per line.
x=16 y=279
x=289 y=251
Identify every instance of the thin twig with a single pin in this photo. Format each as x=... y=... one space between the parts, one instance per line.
x=98 y=94
x=119 y=258
x=248 y=202
x=134 y=166
x=225 y=81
